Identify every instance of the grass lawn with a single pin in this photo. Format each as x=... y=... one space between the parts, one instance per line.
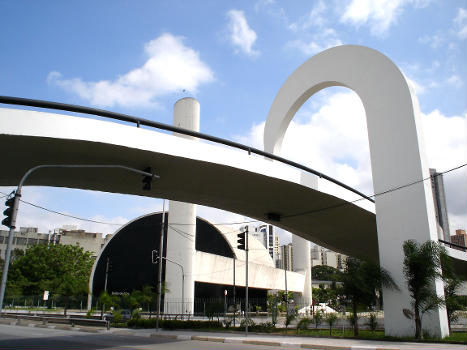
x=365 y=334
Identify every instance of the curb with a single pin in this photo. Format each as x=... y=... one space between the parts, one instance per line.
x=267 y=343
x=200 y=338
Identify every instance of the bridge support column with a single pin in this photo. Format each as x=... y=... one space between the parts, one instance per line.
x=181 y=229
x=302 y=264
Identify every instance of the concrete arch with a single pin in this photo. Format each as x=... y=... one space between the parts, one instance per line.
x=396 y=153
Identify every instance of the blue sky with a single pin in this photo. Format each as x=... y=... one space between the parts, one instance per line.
x=140 y=57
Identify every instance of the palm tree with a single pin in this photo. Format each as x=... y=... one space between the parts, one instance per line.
x=452 y=282
x=422 y=266
x=361 y=281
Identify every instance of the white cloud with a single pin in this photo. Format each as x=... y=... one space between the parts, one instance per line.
x=314 y=18
x=435 y=41
x=446 y=147
x=455 y=81
x=460 y=23
x=380 y=15
x=333 y=139
x=321 y=40
x=171 y=66
x=419 y=89
x=272 y=9
x=315 y=33
x=263 y=4
x=241 y=35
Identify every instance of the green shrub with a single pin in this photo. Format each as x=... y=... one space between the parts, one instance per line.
x=90 y=313
x=136 y=314
x=117 y=317
x=372 y=322
x=265 y=327
x=331 y=318
x=303 y=323
x=173 y=324
x=318 y=318
x=251 y=323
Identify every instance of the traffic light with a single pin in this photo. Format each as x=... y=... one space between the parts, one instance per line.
x=8 y=212
x=154 y=256
x=147 y=180
x=241 y=240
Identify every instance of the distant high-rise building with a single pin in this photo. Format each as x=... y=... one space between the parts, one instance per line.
x=439 y=198
x=286 y=257
x=322 y=256
x=266 y=235
x=276 y=249
x=460 y=238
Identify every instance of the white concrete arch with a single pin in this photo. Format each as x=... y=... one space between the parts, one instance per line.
x=396 y=152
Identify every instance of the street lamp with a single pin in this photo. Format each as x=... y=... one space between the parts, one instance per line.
x=225 y=302
x=12 y=213
x=183 y=280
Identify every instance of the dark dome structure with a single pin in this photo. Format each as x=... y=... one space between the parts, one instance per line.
x=128 y=254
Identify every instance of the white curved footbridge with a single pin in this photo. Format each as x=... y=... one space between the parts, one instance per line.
x=233 y=180
x=190 y=171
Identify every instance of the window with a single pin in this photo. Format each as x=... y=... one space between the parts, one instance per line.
x=21 y=240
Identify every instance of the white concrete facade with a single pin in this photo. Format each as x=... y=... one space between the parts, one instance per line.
x=262 y=273
x=302 y=264
x=397 y=158
x=181 y=230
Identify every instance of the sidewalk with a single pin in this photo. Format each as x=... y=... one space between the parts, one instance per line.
x=255 y=339
x=288 y=341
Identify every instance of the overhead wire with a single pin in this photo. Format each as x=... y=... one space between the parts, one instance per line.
x=374 y=195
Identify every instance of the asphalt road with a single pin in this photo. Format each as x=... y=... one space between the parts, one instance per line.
x=15 y=337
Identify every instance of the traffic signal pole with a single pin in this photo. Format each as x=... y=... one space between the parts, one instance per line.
x=242 y=243
x=9 y=245
x=159 y=278
x=14 y=210
x=246 y=283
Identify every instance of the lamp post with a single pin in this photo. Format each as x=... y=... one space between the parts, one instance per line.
x=16 y=199
x=183 y=282
x=225 y=303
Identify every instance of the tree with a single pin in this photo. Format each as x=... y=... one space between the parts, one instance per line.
x=361 y=281
x=453 y=301
x=331 y=318
x=148 y=298
x=107 y=301
x=325 y=273
x=452 y=282
x=63 y=270
x=422 y=266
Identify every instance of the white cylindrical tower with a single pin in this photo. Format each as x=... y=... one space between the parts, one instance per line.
x=181 y=229
x=302 y=264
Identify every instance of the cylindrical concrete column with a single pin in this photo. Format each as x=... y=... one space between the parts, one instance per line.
x=181 y=228
x=302 y=264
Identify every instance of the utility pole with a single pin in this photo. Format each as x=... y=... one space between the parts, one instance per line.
x=106 y=274
x=161 y=253
x=286 y=294
x=234 y=300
